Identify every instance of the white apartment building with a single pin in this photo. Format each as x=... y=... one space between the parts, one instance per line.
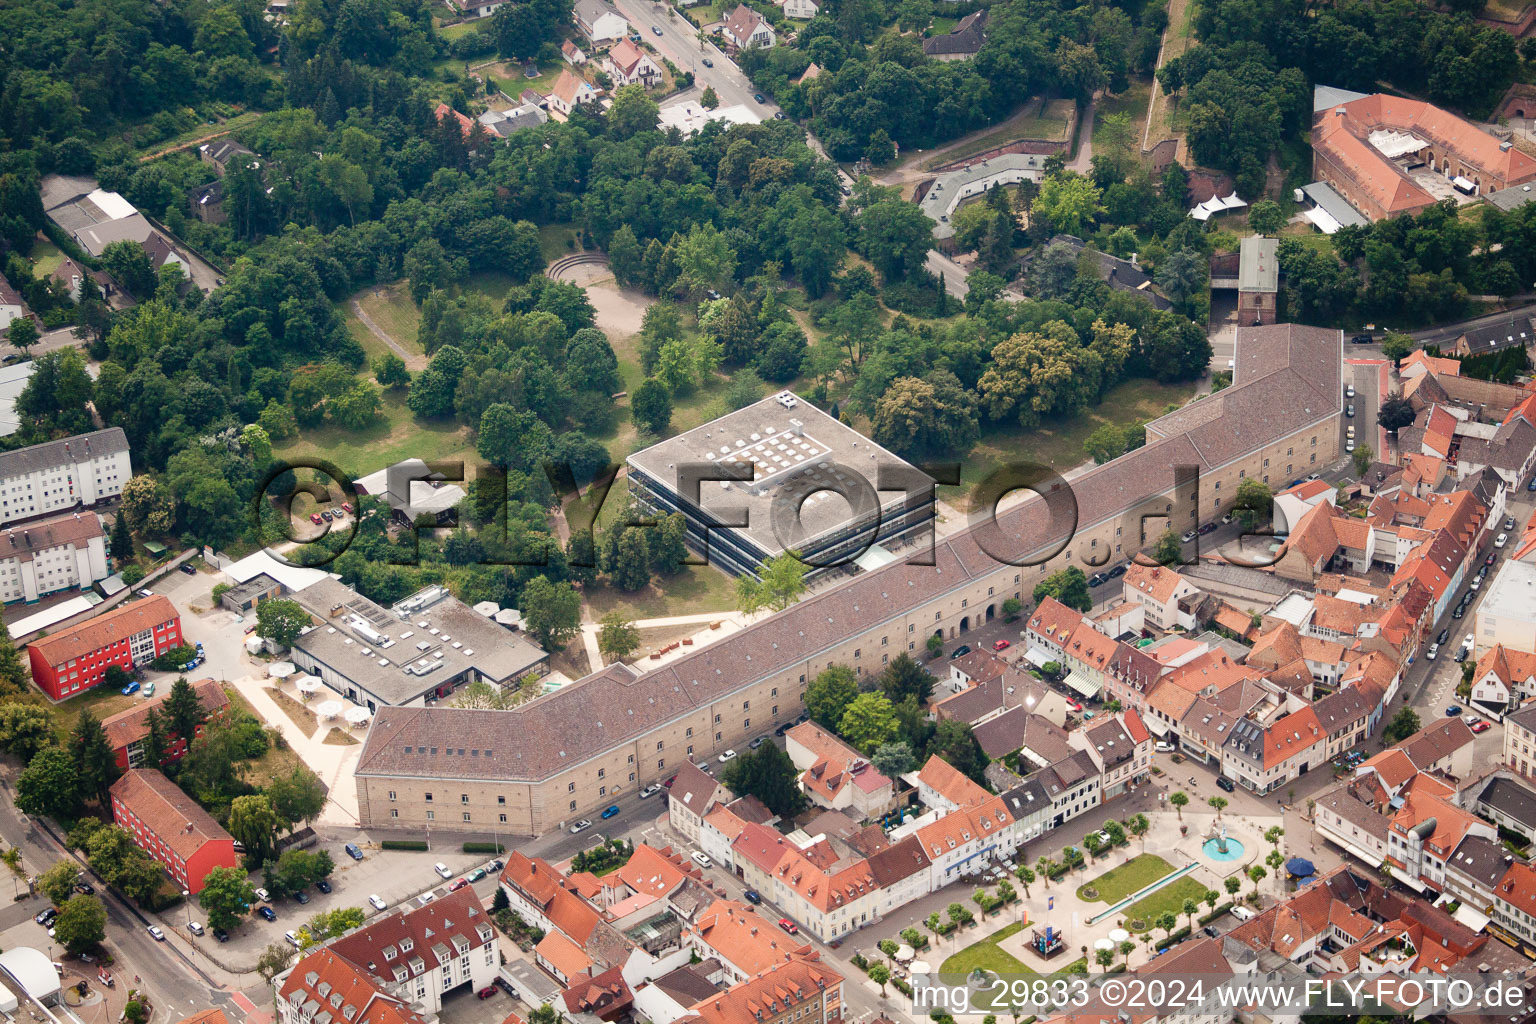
x=43 y=558
x=58 y=475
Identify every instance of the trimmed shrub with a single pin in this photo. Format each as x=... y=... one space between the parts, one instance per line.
x=495 y=848
x=404 y=844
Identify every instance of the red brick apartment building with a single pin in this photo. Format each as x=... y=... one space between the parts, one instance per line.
x=171 y=827
x=76 y=658
x=127 y=730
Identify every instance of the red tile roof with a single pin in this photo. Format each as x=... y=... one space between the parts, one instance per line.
x=431 y=931
x=168 y=812
x=950 y=783
x=130 y=726
x=564 y=955
x=94 y=634
x=783 y=987
x=345 y=985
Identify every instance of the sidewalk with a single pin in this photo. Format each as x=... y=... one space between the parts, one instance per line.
x=332 y=762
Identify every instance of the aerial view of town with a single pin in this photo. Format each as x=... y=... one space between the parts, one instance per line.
x=768 y=511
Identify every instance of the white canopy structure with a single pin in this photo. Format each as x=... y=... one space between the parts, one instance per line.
x=1393 y=144
x=329 y=709
x=1104 y=944
x=1215 y=205
x=308 y=684
x=357 y=716
x=281 y=669
x=905 y=953
x=1119 y=935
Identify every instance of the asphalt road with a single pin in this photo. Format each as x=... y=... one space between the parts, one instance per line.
x=679 y=42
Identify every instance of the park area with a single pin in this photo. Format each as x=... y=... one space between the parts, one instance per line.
x=1134 y=875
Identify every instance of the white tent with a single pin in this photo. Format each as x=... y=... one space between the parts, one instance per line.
x=1393 y=144
x=1215 y=205
x=308 y=684
x=329 y=709
x=357 y=716
x=281 y=669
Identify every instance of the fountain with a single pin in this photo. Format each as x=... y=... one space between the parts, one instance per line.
x=1218 y=846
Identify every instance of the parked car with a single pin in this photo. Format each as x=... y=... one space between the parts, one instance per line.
x=487 y=992
x=707 y=62
x=494 y=866
x=1490 y=559
x=581 y=826
x=85 y=889
x=1208 y=528
x=960 y=652
x=1224 y=783
x=377 y=901
x=1432 y=653
x=1242 y=913
x=752 y=896
x=323 y=886
x=1501 y=540
x=221 y=934
x=789 y=926
x=155 y=931
x=1002 y=645
x=293 y=938
x=425 y=898
x=1188 y=536
x=650 y=791
x=130 y=689
x=668 y=783
x=1210 y=930
x=263 y=895
x=729 y=755
x=1445 y=634
x=759 y=97
x=1349 y=391
x=1509 y=522
x=610 y=811
x=701 y=859
x=46 y=917
x=1481 y=727
x=442 y=870
x=267 y=912
x=301 y=897
x=1349 y=410
x=353 y=851
x=1163 y=747
x=458 y=884
x=194 y=928
x=476 y=875
x=1452 y=710
x=314 y=517
x=1360 y=339
x=1098 y=579
x=187 y=568
x=346 y=507
x=1119 y=570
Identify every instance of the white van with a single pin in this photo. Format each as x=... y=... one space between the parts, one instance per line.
x=1242 y=913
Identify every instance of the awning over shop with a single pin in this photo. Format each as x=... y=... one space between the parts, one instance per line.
x=1373 y=859
x=1038 y=656
x=1082 y=684
x=1407 y=879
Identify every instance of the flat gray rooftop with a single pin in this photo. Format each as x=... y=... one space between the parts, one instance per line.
x=794 y=449
x=398 y=659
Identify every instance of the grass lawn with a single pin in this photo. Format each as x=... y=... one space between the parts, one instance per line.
x=1038 y=119
x=1169 y=899
x=101 y=700
x=300 y=715
x=1166 y=118
x=398 y=435
x=708 y=14
x=1059 y=444
x=454 y=31
x=509 y=77
x=943 y=26
x=987 y=955
x=1133 y=101
x=557 y=240
x=1116 y=884
x=390 y=307
x=693 y=591
x=45 y=256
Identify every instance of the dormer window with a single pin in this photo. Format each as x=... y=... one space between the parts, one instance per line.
x=406 y=945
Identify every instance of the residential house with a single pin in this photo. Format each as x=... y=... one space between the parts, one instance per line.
x=11 y=305
x=802 y=990
x=834 y=775
x=943 y=787
x=171 y=827
x=1121 y=747
x=1049 y=626
x=1504 y=679
x=744 y=29
x=1163 y=593
x=221 y=152
x=1263 y=759
x=1520 y=740
x=627 y=64
x=323 y=984
x=571 y=92
x=694 y=792
x=801 y=10
x=599 y=21
x=573 y=54
x=1505 y=799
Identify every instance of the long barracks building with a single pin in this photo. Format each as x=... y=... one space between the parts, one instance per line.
x=531 y=769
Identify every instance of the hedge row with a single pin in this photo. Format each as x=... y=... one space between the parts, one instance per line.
x=481 y=847
x=1218 y=912
x=404 y=844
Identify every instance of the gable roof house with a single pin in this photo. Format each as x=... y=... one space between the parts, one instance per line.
x=962 y=42
x=570 y=92
x=744 y=28
x=835 y=775
x=599 y=21
x=630 y=65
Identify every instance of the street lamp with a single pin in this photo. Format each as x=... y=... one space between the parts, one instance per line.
x=186 y=897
